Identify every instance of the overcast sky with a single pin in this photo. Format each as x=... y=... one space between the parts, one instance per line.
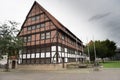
x=85 y=18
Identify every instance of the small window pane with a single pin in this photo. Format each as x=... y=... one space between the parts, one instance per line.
x=42 y=25
x=29 y=28
x=43 y=36
x=33 y=27
x=29 y=38
x=38 y=26
x=47 y=35
x=25 y=39
x=33 y=18
x=37 y=17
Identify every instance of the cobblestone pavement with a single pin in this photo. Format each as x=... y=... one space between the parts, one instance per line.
x=71 y=74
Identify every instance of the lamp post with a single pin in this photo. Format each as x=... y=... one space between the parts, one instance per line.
x=94 y=48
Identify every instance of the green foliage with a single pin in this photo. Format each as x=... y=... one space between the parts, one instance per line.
x=9 y=43
x=111 y=64
x=103 y=49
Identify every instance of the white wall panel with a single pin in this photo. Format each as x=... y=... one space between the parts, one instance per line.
x=68 y=55
x=37 y=55
x=53 y=53
x=33 y=55
x=60 y=54
x=24 y=56
x=47 y=54
x=53 y=48
x=65 y=54
x=66 y=59
x=28 y=55
x=42 y=55
x=59 y=60
x=20 y=56
x=65 y=49
x=59 y=48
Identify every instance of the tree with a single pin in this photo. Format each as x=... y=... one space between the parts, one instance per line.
x=10 y=44
x=103 y=49
x=111 y=47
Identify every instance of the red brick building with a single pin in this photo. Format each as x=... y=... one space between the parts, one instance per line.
x=46 y=40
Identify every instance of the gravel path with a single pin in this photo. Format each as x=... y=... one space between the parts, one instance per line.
x=71 y=74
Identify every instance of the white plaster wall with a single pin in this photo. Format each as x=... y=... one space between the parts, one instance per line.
x=24 y=56
x=59 y=48
x=48 y=54
x=60 y=54
x=53 y=53
x=53 y=60
x=4 y=60
x=65 y=49
x=20 y=56
x=37 y=55
x=33 y=55
x=53 y=48
x=28 y=56
x=65 y=54
x=66 y=59
x=42 y=55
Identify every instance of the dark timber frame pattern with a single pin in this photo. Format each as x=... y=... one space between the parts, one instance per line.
x=61 y=45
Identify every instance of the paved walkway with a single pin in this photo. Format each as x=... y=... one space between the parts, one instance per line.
x=71 y=74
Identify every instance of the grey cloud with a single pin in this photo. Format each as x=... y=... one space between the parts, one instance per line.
x=99 y=16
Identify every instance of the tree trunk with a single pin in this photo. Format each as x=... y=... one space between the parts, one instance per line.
x=7 y=65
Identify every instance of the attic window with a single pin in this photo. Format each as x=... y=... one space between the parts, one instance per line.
x=35 y=18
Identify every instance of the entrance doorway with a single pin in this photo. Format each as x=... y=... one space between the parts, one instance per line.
x=13 y=64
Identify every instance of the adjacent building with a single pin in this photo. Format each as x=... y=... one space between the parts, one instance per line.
x=46 y=40
x=117 y=55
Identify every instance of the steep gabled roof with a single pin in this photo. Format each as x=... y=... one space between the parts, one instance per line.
x=53 y=19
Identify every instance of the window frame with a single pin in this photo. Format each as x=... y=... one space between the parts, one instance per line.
x=29 y=38
x=47 y=36
x=42 y=36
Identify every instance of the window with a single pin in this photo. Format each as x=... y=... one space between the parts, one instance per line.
x=25 y=39
x=29 y=38
x=33 y=27
x=42 y=35
x=47 y=35
x=63 y=37
x=42 y=25
x=33 y=18
x=29 y=28
x=37 y=17
x=38 y=26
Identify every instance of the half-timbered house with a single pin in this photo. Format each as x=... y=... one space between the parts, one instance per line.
x=46 y=40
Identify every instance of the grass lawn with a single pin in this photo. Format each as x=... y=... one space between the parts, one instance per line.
x=111 y=64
